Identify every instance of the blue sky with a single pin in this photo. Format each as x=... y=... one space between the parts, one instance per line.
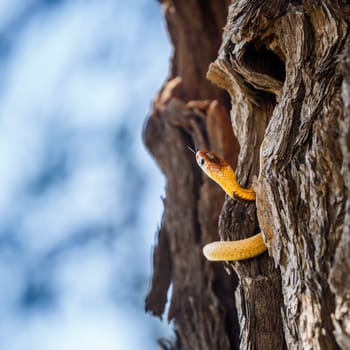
x=80 y=196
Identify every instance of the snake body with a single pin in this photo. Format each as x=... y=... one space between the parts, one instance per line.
x=221 y=172
x=235 y=250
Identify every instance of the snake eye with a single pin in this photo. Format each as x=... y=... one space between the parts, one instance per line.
x=201 y=162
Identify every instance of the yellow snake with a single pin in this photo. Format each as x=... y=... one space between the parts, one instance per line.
x=221 y=172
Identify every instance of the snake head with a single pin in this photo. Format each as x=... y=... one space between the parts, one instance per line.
x=210 y=162
x=217 y=169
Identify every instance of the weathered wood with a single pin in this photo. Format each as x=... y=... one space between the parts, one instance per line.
x=190 y=111
x=300 y=190
x=340 y=267
x=201 y=303
x=285 y=66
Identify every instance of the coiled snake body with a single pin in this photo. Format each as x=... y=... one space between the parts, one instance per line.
x=221 y=172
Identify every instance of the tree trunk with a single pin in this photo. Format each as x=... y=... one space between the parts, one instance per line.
x=286 y=68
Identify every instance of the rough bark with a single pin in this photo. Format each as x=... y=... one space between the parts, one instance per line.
x=285 y=66
x=340 y=267
x=190 y=111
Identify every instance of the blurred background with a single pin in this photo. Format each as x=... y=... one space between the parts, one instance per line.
x=80 y=197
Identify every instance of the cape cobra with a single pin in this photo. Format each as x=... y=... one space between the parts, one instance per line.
x=221 y=172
